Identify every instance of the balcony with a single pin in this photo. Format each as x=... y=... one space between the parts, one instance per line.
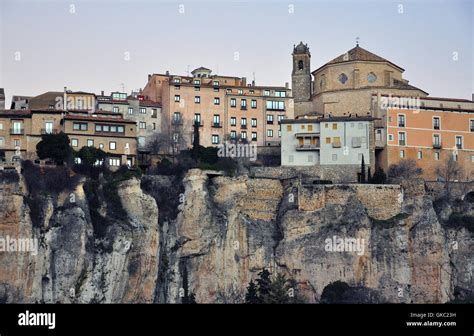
x=437 y=145
x=306 y=147
x=49 y=131
x=200 y=123
x=243 y=107
x=269 y=122
x=17 y=131
x=216 y=125
x=243 y=126
x=401 y=142
x=401 y=124
x=458 y=146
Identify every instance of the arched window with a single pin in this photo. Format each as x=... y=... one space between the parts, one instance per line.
x=300 y=65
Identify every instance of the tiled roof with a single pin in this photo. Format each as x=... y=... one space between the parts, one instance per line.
x=357 y=54
x=15 y=113
x=43 y=101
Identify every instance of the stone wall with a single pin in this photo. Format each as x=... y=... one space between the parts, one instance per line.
x=334 y=173
x=381 y=201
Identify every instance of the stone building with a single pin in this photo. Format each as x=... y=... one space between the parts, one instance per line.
x=2 y=99
x=332 y=143
x=226 y=108
x=346 y=84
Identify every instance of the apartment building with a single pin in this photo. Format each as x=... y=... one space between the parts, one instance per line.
x=145 y=113
x=21 y=131
x=430 y=133
x=328 y=142
x=226 y=108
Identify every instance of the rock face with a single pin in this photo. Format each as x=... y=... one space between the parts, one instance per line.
x=213 y=234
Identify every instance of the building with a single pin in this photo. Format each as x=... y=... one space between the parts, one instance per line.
x=346 y=84
x=66 y=100
x=21 y=131
x=331 y=143
x=430 y=133
x=20 y=102
x=226 y=108
x=2 y=99
x=145 y=113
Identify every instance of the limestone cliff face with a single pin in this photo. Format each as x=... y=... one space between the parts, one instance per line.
x=210 y=235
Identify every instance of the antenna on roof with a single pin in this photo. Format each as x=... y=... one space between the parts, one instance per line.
x=357 y=41
x=187 y=71
x=123 y=87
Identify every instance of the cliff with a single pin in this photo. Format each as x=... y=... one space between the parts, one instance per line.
x=161 y=238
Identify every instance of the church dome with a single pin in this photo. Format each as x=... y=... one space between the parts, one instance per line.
x=300 y=48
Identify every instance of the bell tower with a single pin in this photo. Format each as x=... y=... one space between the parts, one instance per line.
x=301 y=74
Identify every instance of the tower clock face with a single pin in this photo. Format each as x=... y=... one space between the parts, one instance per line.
x=371 y=77
x=342 y=78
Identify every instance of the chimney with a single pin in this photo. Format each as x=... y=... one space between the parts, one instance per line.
x=253 y=84
x=149 y=76
x=244 y=81
x=64 y=98
x=167 y=73
x=473 y=97
x=102 y=92
x=287 y=85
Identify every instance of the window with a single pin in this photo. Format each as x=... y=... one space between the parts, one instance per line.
x=326 y=125
x=154 y=126
x=401 y=139
x=215 y=83
x=419 y=155
x=74 y=142
x=458 y=141
x=254 y=122
x=280 y=94
x=288 y=128
x=334 y=157
x=266 y=92
x=177 y=80
x=197 y=117
x=113 y=129
x=240 y=91
x=233 y=134
x=310 y=127
x=142 y=110
x=436 y=140
x=275 y=105
x=197 y=99
x=436 y=123
x=197 y=82
x=253 y=104
x=228 y=90
x=112 y=145
x=154 y=113
x=233 y=102
x=269 y=119
x=177 y=98
x=455 y=157
x=402 y=154
x=142 y=125
x=328 y=140
x=436 y=156
x=90 y=143
x=401 y=120
x=243 y=104
x=79 y=126
x=389 y=119
x=334 y=126
x=254 y=136
x=471 y=125
x=130 y=110
x=115 y=109
x=1 y=126
x=270 y=133
x=176 y=116
x=233 y=121
x=114 y=162
x=243 y=122
x=101 y=146
x=216 y=120
x=336 y=142
x=215 y=139
x=217 y=101
x=120 y=129
x=2 y=141
x=390 y=137
x=16 y=143
x=243 y=135
x=48 y=127
x=281 y=117
x=472 y=158
x=279 y=133
x=251 y=91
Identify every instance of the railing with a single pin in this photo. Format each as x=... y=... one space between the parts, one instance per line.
x=437 y=145
x=307 y=146
x=216 y=125
x=243 y=126
x=49 y=131
x=401 y=142
x=243 y=107
x=269 y=122
x=17 y=131
x=459 y=146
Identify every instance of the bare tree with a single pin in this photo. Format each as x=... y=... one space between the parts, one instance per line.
x=405 y=170
x=449 y=172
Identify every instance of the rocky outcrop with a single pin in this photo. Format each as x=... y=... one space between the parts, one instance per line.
x=213 y=234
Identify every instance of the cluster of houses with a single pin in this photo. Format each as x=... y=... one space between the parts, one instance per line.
x=356 y=107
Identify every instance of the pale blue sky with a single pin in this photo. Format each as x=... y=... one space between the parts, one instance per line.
x=86 y=50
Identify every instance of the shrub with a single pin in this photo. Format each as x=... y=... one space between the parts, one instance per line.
x=55 y=147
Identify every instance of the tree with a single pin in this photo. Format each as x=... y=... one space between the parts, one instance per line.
x=252 y=295
x=449 y=172
x=55 y=147
x=195 y=153
x=379 y=177
x=405 y=170
x=158 y=142
x=90 y=155
x=362 y=170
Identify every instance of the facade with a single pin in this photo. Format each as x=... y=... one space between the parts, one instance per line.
x=312 y=140
x=145 y=113
x=2 y=99
x=66 y=100
x=430 y=133
x=226 y=108
x=21 y=131
x=345 y=85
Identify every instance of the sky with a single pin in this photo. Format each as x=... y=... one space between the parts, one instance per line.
x=110 y=45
